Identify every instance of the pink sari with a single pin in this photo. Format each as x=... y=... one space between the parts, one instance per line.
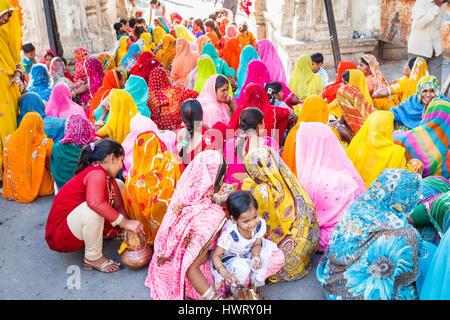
x=213 y=110
x=270 y=58
x=60 y=103
x=192 y=222
x=140 y=124
x=95 y=76
x=327 y=174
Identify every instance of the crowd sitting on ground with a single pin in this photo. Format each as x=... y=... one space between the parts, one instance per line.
x=193 y=138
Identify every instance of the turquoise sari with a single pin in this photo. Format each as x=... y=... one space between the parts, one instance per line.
x=221 y=66
x=248 y=54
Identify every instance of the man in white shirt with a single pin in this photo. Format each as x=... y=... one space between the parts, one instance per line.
x=425 y=35
x=157 y=9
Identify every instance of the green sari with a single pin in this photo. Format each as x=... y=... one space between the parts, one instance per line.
x=63 y=161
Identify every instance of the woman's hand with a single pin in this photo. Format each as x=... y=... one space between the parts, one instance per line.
x=16 y=79
x=229 y=279
x=256 y=262
x=133 y=226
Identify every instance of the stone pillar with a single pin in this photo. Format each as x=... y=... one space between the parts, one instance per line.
x=122 y=11
x=106 y=25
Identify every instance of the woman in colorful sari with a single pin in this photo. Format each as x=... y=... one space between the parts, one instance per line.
x=304 y=82
x=220 y=64
x=122 y=109
x=138 y=89
x=158 y=34
x=130 y=59
x=160 y=22
x=143 y=57
x=26 y=157
x=270 y=58
x=373 y=149
x=113 y=80
x=247 y=54
x=205 y=70
x=151 y=182
x=406 y=87
x=57 y=72
x=369 y=66
x=80 y=74
x=10 y=71
x=288 y=210
x=108 y=62
x=201 y=41
x=166 y=51
x=330 y=91
x=373 y=253
x=429 y=142
x=122 y=49
x=184 y=62
x=65 y=153
x=95 y=76
x=165 y=100
x=60 y=104
x=40 y=81
x=327 y=174
x=183 y=32
x=47 y=57
x=53 y=127
x=408 y=114
x=231 y=51
x=149 y=46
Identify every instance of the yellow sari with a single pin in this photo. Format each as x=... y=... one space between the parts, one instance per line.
x=373 y=149
x=27 y=161
x=150 y=184
x=304 y=82
x=107 y=62
x=407 y=87
x=182 y=32
x=10 y=44
x=122 y=110
x=290 y=214
x=167 y=53
x=158 y=34
x=148 y=44
x=122 y=51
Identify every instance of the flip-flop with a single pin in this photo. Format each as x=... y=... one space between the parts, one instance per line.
x=107 y=263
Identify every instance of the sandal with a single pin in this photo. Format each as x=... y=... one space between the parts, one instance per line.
x=102 y=267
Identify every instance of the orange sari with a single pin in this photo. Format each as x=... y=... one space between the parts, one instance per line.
x=26 y=157
x=232 y=53
x=150 y=183
x=214 y=39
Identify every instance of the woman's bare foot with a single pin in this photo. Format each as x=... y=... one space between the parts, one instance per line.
x=102 y=264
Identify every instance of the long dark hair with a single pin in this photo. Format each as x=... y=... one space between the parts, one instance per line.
x=210 y=23
x=97 y=152
x=249 y=119
x=138 y=31
x=199 y=22
x=191 y=112
x=346 y=75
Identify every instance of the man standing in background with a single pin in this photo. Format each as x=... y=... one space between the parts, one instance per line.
x=231 y=5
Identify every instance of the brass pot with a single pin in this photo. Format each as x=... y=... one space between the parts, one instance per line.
x=136 y=256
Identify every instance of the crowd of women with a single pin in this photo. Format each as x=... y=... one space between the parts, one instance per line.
x=193 y=138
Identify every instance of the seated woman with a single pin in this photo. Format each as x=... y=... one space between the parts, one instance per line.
x=53 y=127
x=57 y=72
x=327 y=174
x=47 y=57
x=248 y=53
x=252 y=135
x=220 y=64
x=194 y=137
x=205 y=69
x=429 y=142
x=373 y=149
x=216 y=101
x=289 y=213
x=231 y=50
x=181 y=32
x=80 y=75
x=40 y=81
x=26 y=161
x=213 y=33
x=246 y=37
x=369 y=66
x=137 y=87
x=158 y=34
x=151 y=182
x=269 y=56
x=145 y=69
x=304 y=82
x=95 y=76
x=108 y=62
x=120 y=109
x=201 y=41
x=408 y=114
x=122 y=49
x=166 y=51
x=373 y=253
x=89 y=207
x=354 y=105
x=415 y=69
x=330 y=91
x=198 y=28
x=165 y=100
x=149 y=46
x=60 y=103
x=132 y=56
x=65 y=153
x=184 y=62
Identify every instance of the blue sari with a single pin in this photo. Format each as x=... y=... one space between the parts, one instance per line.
x=40 y=82
x=221 y=66
x=248 y=54
x=131 y=57
x=374 y=252
x=53 y=127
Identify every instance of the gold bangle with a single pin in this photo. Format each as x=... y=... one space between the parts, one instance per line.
x=220 y=267
x=207 y=293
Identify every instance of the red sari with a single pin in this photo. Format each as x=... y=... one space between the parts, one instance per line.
x=329 y=93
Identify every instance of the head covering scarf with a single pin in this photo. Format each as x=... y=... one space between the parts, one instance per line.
x=148 y=44
x=373 y=234
x=40 y=82
x=330 y=90
x=122 y=110
x=57 y=70
x=80 y=71
x=183 y=32
x=25 y=156
x=143 y=57
x=213 y=110
x=165 y=100
x=131 y=57
x=53 y=127
x=373 y=149
x=232 y=52
x=137 y=87
x=108 y=62
x=79 y=131
x=201 y=41
x=429 y=142
x=158 y=34
x=220 y=64
x=419 y=70
x=151 y=183
x=183 y=63
x=146 y=68
x=270 y=58
x=122 y=49
x=287 y=209
x=304 y=82
x=110 y=81
x=191 y=222
x=167 y=53
x=60 y=104
x=327 y=174
x=205 y=70
x=164 y=24
x=409 y=112
x=47 y=52
x=247 y=54
x=95 y=76
x=376 y=79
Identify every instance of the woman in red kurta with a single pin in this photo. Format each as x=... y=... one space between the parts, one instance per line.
x=89 y=207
